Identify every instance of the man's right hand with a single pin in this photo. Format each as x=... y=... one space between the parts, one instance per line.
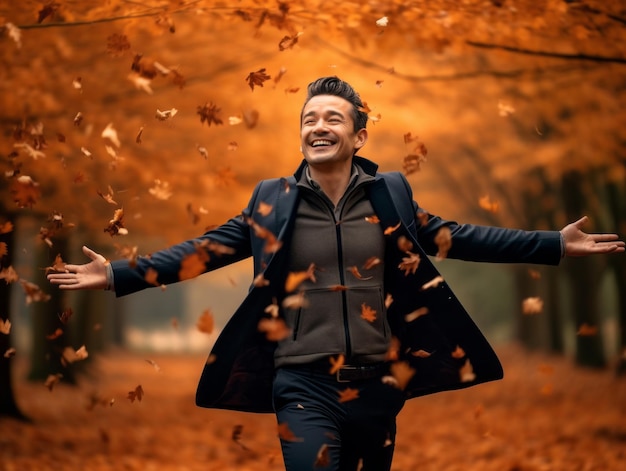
x=92 y=275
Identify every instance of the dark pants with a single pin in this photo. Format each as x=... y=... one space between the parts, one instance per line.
x=320 y=432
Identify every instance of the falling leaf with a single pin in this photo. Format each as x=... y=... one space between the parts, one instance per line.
x=55 y=335
x=33 y=153
x=78 y=119
x=295 y=279
x=25 y=191
x=367 y=313
x=257 y=78
x=357 y=274
x=436 y=281
x=77 y=83
x=392 y=229
x=288 y=42
x=274 y=328
x=348 y=394
x=285 y=433
x=404 y=244
x=402 y=373
x=382 y=22
x=236 y=436
x=421 y=354
x=505 y=109
x=534 y=274
x=117 y=44
x=372 y=219
x=206 y=322
x=409 y=264
x=412 y=163
x=137 y=393
x=466 y=372
x=489 y=205
x=337 y=288
x=272 y=244
x=209 y=113
x=69 y=355
x=151 y=276
x=14 y=33
x=586 y=330
x=322 y=459
x=5 y=326
x=166 y=114
x=9 y=275
x=160 y=190
x=116 y=225
x=371 y=263
x=336 y=363
x=52 y=380
x=10 y=353
x=192 y=265
x=260 y=281
x=443 y=239
x=295 y=301
x=154 y=365
x=33 y=292
x=458 y=352
x=264 y=209
x=6 y=227
x=4 y=250
x=393 y=351
x=111 y=134
x=141 y=83
x=388 y=300
x=532 y=305
x=422 y=311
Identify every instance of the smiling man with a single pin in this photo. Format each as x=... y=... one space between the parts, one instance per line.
x=346 y=317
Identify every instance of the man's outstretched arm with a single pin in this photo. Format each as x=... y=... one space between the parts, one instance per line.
x=579 y=243
x=92 y=275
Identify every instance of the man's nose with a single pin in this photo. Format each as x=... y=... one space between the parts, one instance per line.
x=320 y=126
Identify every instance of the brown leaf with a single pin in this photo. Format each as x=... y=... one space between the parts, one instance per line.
x=410 y=317
x=443 y=239
x=285 y=433
x=409 y=264
x=357 y=274
x=6 y=227
x=372 y=219
x=193 y=265
x=25 y=191
x=288 y=42
x=295 y=279
x=116 y=225
x=33 y=292
x=402 y=373
x=5 y=326
x=206 y=322
x=264 y=209
x=209 y=113
x=371 y=263
x=392 y=229
x=137 y=393
x=9 y=275
x=322 y=459
x=55 y=335
x=436 y=281
x=586 y=330
x=257 y=78
x=274 y=329
x=51 y=380
x=336 y=363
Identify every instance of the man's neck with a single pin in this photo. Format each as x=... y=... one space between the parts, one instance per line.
x=333 y=180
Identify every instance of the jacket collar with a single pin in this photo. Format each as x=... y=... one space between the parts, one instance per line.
x=368 y=166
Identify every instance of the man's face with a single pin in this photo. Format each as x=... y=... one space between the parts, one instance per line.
x=327 y=131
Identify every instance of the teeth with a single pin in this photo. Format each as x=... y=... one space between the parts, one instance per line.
x=321 y=143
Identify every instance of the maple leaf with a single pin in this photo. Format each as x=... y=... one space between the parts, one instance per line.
x=392 y=229
x=257 y=78
x=348 y=394
x=5 y=326
x=371 y=263
x=117 y=44
x=295 y=301
x=410 y=317
x=25 y=191
x=336 y=363
x=532 y=305
x=372 y=219
x=295 y=279
x=57 y=266
x=137 y=393
x=285 y=433
x=393 y=351
x=116 y=225
x=9 y=275
x=322 y=459
x=51 y=380
x=443 y=239
x=367 y=313
x=409 y=264
x=209 y=113
x=357 y=274
x=274 y=328
x=206 y=322
x=272 y=244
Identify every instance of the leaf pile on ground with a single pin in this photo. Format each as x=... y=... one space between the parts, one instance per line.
x=136 y=412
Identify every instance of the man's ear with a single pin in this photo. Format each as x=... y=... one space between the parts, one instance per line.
x=361 y=139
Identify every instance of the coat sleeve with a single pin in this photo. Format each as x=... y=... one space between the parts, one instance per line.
x=226 y=244
x=478 y=243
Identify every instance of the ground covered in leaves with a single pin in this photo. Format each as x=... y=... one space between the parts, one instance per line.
x=545 y=415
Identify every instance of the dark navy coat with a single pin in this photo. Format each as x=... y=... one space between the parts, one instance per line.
x=444 y=347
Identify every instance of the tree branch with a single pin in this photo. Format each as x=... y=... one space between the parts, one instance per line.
x=557 y=55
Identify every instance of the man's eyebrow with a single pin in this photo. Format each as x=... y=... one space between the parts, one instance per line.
x=329 y=112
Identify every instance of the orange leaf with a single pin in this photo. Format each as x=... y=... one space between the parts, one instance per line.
x=532 y=305
x=336 y=363
x=466 y=372
x=285 y=433
x=392 y=229
x=409 y=264
x=55 y=335
x=322 y=459
x=257 y=78
x=410 y=317
x=264 y=208
x=458 y=352
x=368 y=313
x=488 y=204
x=402 y=374
x=432 y=283
x=5 y=326
x=443 y=239
x=586 y=330
x=51 y=380
x=193 y=265
x=357 y=274
x=295 y=279
x=371 y=263
x=348 y=394
x=372 y=219
x=136 y=394
x=274 y=328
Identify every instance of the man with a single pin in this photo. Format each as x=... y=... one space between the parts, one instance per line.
x=346 y=317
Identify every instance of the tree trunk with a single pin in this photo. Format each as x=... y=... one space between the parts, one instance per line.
x=584 y=275
x=8 y=404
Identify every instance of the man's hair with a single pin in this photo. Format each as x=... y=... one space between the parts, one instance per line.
x=337 y=87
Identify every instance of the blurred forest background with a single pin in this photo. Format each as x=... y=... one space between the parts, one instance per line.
x=499 y=112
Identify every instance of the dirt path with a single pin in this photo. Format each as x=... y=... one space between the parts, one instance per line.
x=545 y=415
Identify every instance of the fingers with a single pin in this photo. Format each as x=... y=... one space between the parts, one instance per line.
x=92 y=255
x=581 y=222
